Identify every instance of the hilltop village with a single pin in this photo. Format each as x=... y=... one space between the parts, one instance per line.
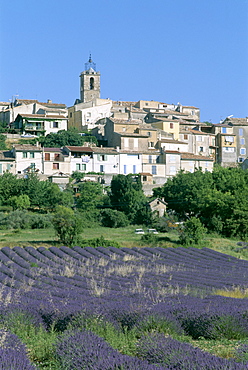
x=150 y=138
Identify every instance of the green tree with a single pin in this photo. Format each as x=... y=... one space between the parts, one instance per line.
x=90 y=195
x=127 y=196
x=185 y=193
x=69 y=137
x=67 y=225
x=9 y=186
x=193 y=232
x=20 y=202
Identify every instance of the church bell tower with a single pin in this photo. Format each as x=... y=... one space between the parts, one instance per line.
x=89 y=82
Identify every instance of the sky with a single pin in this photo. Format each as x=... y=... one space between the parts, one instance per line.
x=190 y=51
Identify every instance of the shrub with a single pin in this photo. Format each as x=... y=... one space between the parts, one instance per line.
x=192 y=232
x=113 y=218
x=67 y=225
x=40 y=221
x=149 y=238
x=18 y=219
x=99 y=242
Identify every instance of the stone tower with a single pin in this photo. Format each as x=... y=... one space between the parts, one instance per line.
x=89 y=82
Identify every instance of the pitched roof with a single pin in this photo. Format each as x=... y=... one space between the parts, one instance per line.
x=124 y=121
x=86 y=149
x=42 y=116
x=236 y=121
x=25 y=147
x=196 y=157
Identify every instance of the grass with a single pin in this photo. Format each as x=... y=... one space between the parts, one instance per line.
x=46 y=237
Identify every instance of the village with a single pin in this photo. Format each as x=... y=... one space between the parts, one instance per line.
x=153 y=139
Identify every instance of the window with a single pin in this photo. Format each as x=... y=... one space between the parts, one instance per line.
x=223 y=130
x=199 y=138
x=230 y=139
x=172 y=170
x=70 y=114
x=144 y=178
x=56 y=156
x=172 y=158
x=134 y=168
x=1 y=168
x=151 y=144
x=230 y=150
x=171 y=125
x=135 y=142
x=125 y=169
x=185 y=137
x=55 y=124
x=101 y=168
x=31 y=154
x=241 y=132
x=55 y=166
x=126 y=142
x=91 y=83
x=78 y=167
x=154 y=170
x=242 y=141
x=47 y=156
x=102 y=157
x=201 y=148
x=241 y=159
x=25 y=155
x=150 y=159
x=242 y=151
x=83 y=167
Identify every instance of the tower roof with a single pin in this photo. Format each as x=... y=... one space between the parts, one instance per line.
x=90 y=65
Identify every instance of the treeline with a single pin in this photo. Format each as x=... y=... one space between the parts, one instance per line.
x=218 y=199
x=31 y=203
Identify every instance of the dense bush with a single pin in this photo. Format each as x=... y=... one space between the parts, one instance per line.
x=22 y=219
x=99 y=242
x=113 y=218
x=192 y=232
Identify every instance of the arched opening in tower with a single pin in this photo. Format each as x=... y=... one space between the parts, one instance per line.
x=91 y=83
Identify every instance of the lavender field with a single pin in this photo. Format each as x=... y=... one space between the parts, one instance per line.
x=109 y=308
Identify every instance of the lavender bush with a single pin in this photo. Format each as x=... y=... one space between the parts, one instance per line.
x=13 y=355
x=85 y=350
x=158 y=349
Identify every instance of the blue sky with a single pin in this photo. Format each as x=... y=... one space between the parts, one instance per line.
x=190 y=51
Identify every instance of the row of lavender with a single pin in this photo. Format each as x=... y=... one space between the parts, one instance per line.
x=84 y=350
x=203 y=269
x=130 y=288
